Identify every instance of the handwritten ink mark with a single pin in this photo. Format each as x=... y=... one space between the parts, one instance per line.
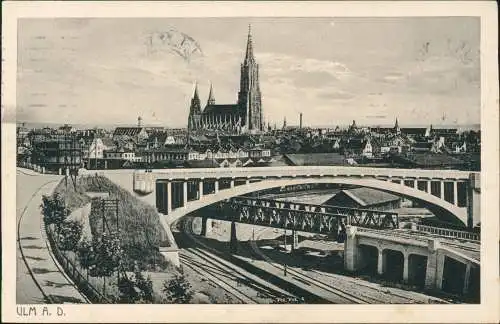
x=176 y=41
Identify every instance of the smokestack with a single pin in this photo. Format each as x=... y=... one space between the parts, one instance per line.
x=300 y=121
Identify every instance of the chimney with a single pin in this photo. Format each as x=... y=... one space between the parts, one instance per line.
x=300 y=121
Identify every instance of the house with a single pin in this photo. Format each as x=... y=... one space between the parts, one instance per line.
x=256 y=153
x=428 y=160
x=359 y=147
x=365 y=198
x=170 y=154
x=422 y=146
x=415 y=132
x=137 y=133
x=121 y=154
x=395 y=145
x=336 y=144
x=56 y=151
x=66 y=129
x=97 y=147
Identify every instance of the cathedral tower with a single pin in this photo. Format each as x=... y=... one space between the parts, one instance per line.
x=194 y=111
x=211 y=98
x=249 y=98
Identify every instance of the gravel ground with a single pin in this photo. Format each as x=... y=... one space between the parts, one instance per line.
x=325 y=264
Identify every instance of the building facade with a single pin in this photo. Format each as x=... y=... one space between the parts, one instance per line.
x=243 y=117
x=56 y=151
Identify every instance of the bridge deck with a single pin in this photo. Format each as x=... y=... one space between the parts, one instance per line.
x=293 y=171
x=468 y=248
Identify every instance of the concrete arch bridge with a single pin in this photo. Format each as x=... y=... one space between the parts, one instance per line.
x=453 y=196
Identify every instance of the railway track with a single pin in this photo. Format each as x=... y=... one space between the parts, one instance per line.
x=190 y=260
x=243 y=286
x=341 y=296
x=370 y=294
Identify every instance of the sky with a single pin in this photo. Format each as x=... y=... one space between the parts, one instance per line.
x=422 y=70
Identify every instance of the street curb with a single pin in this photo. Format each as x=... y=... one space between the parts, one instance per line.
x=43 y=230
x=48 y=298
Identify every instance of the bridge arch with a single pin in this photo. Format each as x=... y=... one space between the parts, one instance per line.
x=441 y=208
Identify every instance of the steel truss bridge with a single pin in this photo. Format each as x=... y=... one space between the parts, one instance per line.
x=321 y=219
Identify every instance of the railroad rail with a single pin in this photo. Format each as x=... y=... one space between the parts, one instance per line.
x=224 y=270
x=383 y=298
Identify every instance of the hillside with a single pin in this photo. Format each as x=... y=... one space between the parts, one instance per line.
x=139 y=226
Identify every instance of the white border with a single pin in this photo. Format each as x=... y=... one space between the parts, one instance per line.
x=488 y=311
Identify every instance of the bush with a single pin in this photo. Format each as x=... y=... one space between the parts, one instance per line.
x=178 y=290
x=54 y=210
x=138 y=290
x=69 y=234
x=128 y=292
x=102 y=257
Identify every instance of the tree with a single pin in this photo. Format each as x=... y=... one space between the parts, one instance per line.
x=136 y=290
x=107 y=254
x=178 y=290
x=102 y=257
x=86 y=254
x=145 y=286
x=69 y=234
x=128 y=291
x=54 y=210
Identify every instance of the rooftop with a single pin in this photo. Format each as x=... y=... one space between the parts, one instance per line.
x=315 y=159
x=368 y=196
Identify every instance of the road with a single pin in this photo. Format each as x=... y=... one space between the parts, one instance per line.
x=39 y=278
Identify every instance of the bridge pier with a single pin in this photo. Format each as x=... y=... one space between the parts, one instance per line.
x=351 y=250
x=295 y=240
x=233 y=242
x=474 y=200
x=169 y=197
x=205 y=227
x=184 y=193
x=380 y=262
x=435 y=267
x=405 y=267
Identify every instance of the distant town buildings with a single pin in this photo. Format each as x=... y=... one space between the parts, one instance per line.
x=157 y=147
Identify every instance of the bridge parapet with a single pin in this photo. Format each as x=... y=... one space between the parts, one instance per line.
x=414 y=253
x=308 y=171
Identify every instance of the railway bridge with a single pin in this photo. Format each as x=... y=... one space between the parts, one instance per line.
x=303 y=217
x=453 y=196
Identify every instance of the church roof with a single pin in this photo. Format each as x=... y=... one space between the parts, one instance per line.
x=128 y=131
x=221 y=109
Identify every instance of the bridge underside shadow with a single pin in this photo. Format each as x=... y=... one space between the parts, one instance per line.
x=442 y=209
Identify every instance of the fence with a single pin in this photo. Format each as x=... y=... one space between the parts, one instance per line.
x=449 y=232
x=36 y=168
x=79 y=275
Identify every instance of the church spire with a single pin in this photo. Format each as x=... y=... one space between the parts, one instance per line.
x=249 y=53
x=195 y=96
x=396 y=127
x=195 y=102
x=211 y=98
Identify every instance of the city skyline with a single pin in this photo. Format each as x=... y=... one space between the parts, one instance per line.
x=116 y=70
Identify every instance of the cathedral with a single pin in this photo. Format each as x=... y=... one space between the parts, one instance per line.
x=243 y=117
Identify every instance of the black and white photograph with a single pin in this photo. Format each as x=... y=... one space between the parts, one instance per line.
x=249 y=159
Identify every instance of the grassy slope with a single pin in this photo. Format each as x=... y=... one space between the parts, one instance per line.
x=140 y=228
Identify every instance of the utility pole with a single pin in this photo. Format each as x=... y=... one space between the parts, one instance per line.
x=284 y=267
